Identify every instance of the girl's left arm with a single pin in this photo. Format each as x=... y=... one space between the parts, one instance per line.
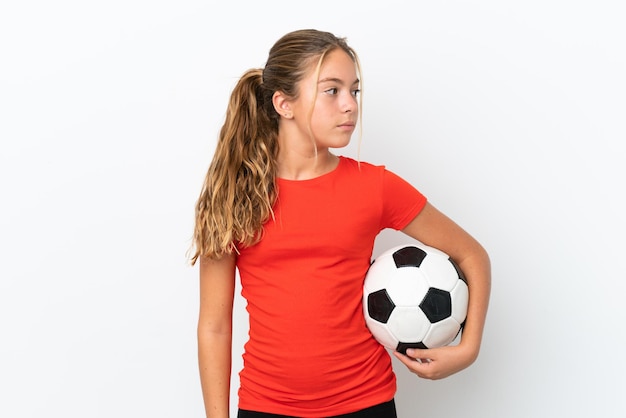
x=435 y=229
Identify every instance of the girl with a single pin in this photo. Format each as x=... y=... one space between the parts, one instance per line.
x=299 y=224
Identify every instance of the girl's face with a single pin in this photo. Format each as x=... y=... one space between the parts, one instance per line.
x=332 y=99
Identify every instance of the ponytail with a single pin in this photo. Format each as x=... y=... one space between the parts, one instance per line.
x=239 y=189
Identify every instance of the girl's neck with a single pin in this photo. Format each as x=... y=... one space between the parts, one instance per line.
x=292 y=166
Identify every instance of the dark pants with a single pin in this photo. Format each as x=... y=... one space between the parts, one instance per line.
x=383 y=410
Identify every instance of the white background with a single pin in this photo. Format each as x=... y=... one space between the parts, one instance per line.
x=508 y=115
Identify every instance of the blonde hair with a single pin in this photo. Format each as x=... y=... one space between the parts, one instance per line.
x=240 y=189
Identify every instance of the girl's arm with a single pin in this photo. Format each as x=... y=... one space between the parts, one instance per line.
x=217 y=288
x=435 y=229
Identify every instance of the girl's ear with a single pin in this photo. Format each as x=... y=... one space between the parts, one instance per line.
x=282 y=105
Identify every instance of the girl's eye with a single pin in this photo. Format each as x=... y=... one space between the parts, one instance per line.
x=334 y=90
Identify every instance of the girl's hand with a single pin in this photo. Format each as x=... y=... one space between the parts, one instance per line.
x=437 y=363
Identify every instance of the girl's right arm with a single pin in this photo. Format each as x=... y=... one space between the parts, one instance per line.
x=217 y=288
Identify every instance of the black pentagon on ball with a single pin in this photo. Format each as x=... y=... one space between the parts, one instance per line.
x=402 y=347
x=409 y=257
x=380 y=305
x=437 y=305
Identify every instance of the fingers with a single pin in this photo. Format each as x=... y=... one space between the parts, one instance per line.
x=421 y=365
x=435 y=363
x=420 y=354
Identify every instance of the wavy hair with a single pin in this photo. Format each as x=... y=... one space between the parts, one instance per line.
x=240 y=189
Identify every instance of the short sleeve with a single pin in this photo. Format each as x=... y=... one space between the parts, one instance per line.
x=402 y=202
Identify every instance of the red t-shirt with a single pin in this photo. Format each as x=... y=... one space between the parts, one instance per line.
x=309 y=352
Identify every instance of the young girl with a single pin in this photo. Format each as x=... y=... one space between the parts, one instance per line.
x=299 y=224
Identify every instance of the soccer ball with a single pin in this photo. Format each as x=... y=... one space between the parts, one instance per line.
x=414 y=296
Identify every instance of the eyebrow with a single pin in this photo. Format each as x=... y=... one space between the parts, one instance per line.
x=336 y=80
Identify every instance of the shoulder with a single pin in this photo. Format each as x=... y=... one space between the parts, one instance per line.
x=374 y=174
x=362 y=166
x=367 y=170
x=370 y=168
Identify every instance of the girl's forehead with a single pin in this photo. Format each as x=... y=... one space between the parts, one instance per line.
x=337 y=64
